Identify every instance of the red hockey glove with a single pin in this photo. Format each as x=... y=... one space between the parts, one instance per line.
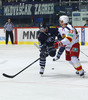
x=59 y=43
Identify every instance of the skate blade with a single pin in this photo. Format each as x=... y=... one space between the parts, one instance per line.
x=41 y=75
x=83 y=76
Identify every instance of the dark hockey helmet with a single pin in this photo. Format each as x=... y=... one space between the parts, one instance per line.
x=42 y=25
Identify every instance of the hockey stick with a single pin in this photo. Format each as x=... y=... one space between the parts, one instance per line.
x=12 y=76
x=84 y=53
x=40 y=48
x=37 y=46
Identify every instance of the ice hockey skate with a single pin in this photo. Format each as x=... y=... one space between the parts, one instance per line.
x=41 y=70
x=81 y=74
x=56 y=58
x=77 y=72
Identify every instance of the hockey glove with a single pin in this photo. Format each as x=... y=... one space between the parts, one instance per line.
x=43 y=47
x=43 y=54
x=59 y=43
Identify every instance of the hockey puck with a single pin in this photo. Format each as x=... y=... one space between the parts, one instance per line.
x=52 y=68
x=54 y=59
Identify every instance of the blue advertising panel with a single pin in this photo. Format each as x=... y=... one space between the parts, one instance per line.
x=82 y=36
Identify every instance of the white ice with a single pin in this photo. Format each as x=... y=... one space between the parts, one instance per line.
x=59 y=84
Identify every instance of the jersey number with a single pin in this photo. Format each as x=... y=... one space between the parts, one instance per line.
x=71 y=31
x=63 y=36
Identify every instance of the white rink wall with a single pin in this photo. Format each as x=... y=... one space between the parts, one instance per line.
x=29 y=35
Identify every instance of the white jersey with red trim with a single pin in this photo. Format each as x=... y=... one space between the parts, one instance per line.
x=69 y=35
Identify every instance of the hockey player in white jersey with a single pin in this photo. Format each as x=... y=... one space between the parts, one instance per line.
x=63 y=34
x=71 y=44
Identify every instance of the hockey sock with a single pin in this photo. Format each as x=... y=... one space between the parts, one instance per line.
x=77 y=64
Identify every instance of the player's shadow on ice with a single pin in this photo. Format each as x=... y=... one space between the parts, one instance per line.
x=83 y=61
x=3 y=62
x=65 y=76
x=66 y=61
x=60 y=76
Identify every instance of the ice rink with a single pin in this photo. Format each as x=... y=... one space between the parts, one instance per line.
x=59 y=84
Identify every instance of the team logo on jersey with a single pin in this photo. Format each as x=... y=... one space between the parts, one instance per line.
x=49 y=33
x=71 y=31
x=75 y=49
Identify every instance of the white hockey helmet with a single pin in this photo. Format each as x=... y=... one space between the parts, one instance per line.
x=64 y=19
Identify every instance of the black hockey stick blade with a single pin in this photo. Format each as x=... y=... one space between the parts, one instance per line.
x=12 y=76
x=8 y=76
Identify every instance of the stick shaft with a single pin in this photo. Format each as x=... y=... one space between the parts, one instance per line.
x=84 y=53
x=27 y=66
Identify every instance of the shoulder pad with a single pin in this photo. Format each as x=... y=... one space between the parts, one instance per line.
x=68 y=28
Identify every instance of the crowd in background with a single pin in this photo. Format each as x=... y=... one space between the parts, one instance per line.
x=24 y=0
x=65 y=7
x=15 y=0
x=38 y=0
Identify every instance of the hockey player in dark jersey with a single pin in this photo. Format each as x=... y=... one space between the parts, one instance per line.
x=46 y=37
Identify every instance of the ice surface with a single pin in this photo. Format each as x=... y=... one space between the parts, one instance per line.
x=59 y=84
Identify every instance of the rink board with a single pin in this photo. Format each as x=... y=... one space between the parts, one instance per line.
x=28 y=36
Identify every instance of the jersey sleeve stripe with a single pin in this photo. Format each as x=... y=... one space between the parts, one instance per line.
x=69 y=39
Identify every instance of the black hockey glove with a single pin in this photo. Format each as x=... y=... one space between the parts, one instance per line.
x=43 y=54
x=43 y=47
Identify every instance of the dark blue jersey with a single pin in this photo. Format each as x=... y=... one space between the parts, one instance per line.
x=49 y=37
